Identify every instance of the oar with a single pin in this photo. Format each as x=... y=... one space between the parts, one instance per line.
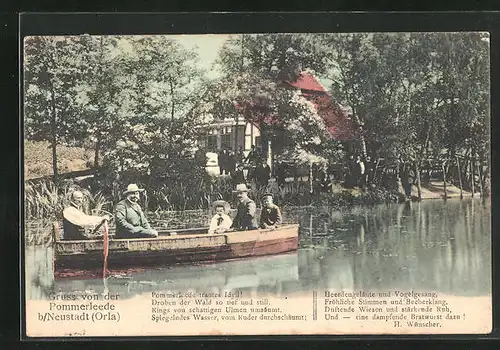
x=106 y=248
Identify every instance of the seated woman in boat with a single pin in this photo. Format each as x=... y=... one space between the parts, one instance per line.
x=129 y=217
x=220 y=222
x=245 y=216
x=270 y=215
x=78 y=225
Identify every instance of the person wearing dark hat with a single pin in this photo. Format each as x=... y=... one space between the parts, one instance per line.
x=270 y=215
x=129 y=217
x=245 y=216
x=220 y=222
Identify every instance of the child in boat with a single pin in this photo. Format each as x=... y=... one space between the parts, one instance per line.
x=270 y=215
x=220 y=222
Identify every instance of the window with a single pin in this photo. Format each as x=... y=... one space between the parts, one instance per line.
x=258 y=141
x=212 y=143
x=225 y=141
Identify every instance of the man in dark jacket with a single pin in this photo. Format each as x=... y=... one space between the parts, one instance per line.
x=280 y=173
x=261 y=174
x=231 y=163
x=129 y=217
x=270 y=216
x=253 y=156
x=245 y=216
x=238 y=176
x=240 y=155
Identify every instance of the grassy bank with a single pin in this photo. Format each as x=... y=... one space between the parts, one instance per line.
x=38 y=159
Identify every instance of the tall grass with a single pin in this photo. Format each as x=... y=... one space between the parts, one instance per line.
x=46 y=200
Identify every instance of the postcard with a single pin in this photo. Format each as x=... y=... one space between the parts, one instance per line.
x=257 y=184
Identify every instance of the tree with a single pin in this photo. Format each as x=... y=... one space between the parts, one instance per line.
x=254 y=65
x=51 y=68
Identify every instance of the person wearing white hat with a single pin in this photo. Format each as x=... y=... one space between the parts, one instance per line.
x=129 y=217
x=245 y=216
x=77 y=224
x=221 y=222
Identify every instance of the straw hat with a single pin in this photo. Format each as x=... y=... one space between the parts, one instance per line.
x=132 y=188
x=219 y=203
x=241 y=188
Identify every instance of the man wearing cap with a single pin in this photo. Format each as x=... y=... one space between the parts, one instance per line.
x=270 y=216
x=221 y=222
x=245 y=216
x=78 y=225
x=130 y=219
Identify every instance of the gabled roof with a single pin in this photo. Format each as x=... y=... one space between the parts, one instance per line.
x=339 y=124
x=307 y=82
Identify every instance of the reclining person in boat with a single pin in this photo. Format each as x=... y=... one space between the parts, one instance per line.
x=220 y=222
x=129 y=217
x=78 y=225
x=270 y=215
x=245 y=216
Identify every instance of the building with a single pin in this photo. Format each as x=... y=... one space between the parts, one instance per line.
x=231 y=134
x=337 y=119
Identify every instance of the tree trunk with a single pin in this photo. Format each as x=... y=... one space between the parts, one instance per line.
x=480 y=172
x=172 y=110
x=54 y=158
x=444 y=181
x=310 y=178
x=361 y=136
x=53 y=130
x=419 y=184
x=472 y=173
x=97 y=151
x=459 y=177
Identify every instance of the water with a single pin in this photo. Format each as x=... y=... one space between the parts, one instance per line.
x=429 y=246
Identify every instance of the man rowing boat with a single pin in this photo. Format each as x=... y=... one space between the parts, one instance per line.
x=78 y=225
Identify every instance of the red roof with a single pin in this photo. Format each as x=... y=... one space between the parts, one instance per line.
x=338 y=123
x=307 y=81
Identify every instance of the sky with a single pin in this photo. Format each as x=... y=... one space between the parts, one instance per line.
x=207 y=45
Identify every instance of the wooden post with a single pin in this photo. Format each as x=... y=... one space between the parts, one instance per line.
x=419 y=184
x=459 y=177
x=444 y=181
x=56 y=232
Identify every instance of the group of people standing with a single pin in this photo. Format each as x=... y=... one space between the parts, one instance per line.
x=131 y=222
x=360 y=171
x=228 y=160
x=243 y=169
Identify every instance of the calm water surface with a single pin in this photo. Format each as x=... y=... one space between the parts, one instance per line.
x=432 y=245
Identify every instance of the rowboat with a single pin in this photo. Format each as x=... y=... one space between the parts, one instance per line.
x=173 y=247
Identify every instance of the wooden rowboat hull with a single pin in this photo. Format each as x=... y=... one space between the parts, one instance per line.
x=168 y=250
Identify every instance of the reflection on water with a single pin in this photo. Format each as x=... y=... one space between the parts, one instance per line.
x=433 y=245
